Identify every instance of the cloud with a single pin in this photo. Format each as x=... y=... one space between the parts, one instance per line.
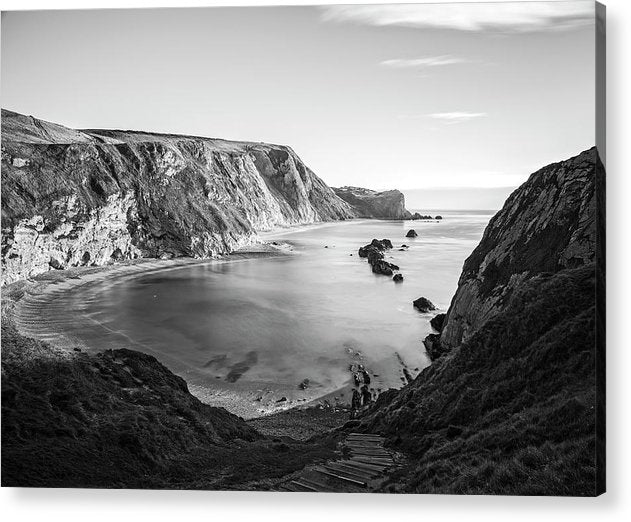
x=420 y=63
x=504 y=17
x=456 y=117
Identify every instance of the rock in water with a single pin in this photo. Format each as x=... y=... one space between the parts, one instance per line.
x=437 y=322
x=398 y=278
x=374 y=253
x=383 y=267
x=411 y=233
x=416 y=216
x=422 y=304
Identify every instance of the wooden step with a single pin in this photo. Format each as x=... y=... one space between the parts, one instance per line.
x=365 y=447
x=340 y=476
x=372 y=467
x=375 y=462
x=379 y=458
x=294 y=489
x=318 y=485
x=372 y=455
x=358 y=472
x=363 y=465
x=300 y=483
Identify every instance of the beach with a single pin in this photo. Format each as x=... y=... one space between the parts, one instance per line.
x=283 y=323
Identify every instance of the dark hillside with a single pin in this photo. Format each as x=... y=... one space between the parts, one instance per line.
x=121 y=419
x=512 y=410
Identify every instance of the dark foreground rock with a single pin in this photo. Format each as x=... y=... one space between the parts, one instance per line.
x=422 y=304
x=398 y=278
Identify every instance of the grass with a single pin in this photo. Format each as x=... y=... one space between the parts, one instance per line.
x=120 y=419
x=511 y=411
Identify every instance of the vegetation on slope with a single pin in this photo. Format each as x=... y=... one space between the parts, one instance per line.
x=121 y=419
x=510 y=411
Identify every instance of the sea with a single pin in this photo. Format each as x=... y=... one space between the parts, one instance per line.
x=263 y=334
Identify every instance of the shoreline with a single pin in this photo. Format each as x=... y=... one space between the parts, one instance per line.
x=32 y=307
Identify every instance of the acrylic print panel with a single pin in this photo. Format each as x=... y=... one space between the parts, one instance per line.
x=347 y=248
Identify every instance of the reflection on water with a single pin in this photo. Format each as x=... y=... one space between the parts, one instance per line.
x=302 y=317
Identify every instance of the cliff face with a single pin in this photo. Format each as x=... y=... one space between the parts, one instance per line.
x=73 y=197
x=372 y=204
x=546 y=225
x=511 y=407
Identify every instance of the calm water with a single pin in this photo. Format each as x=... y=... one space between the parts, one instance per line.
x=265 y=325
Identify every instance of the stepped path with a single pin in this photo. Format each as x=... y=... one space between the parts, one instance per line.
x=366 y=467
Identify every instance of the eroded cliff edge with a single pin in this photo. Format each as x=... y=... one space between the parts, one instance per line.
x=81 y=197
x=547 y=225
x=366 y=203
x=514 y=403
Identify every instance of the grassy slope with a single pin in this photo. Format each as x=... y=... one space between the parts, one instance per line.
x=121 y=419
x=511 y=411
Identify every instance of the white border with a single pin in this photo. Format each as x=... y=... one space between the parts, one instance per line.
x=51 y=505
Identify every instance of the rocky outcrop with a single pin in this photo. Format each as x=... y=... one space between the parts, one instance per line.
x=548 y=224
x=373 y=251
x=423 y=305
x=367 y=203
x=521 y=352
x=72 y=197
x=437 y=322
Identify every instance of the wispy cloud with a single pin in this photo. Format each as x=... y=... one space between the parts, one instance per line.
x=456 y=117
x=421 y=63
x=504 y=17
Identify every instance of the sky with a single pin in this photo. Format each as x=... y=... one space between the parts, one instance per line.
x=444 y=97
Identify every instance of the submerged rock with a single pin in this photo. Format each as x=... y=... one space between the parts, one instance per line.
x=422 y=304
x=411 y=233
x=398 y=278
